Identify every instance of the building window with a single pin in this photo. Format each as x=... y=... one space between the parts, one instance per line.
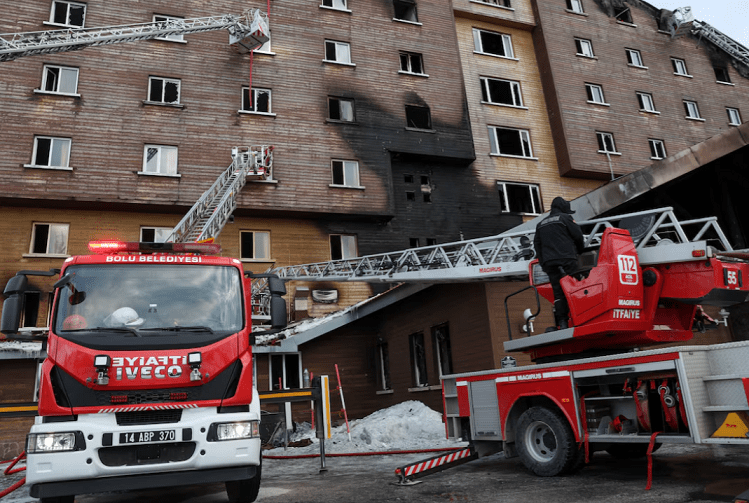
x=734 y=117
x=501 y=92
x=337 y=52
x=410 y=195
x=606 y=143
x=413 y=242
x=680 y=66
x=49 y=239
x=721 y=75
x=418 y=117
x=693 y=112
x=60 y=79
x=285 y=371
x=30 y=313
x=160 y=159
x=174 y=37
x=343 y=247
x=265 y=48
x=51 y=152
x=495 y=44
x=595 y=94
x=646 y=102
x=442 y=351
x=335 y=4
x=575 y=6
x=405 y=10
x=418 y=360
x=634 y=58
x=345 y=173
x=155 y=234
x=254 y=245
x=519 y=198
x=510 y=141
x=412 y=63
x=499 y=3
x=657 y=149
x=383 y=366
x=164 y=91
x=68 y=13
x=341 y=109
x=260 y=102
x=623 y=14
x=584 y=47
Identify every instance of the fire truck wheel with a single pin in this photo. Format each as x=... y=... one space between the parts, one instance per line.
x=58 y=499
x=245 y=491
x=630 y=451
x=545 y=442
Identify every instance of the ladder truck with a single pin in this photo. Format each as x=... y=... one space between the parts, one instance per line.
x=148 y=375
x=597 y=385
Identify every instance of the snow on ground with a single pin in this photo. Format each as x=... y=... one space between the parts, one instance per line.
x=406 y=426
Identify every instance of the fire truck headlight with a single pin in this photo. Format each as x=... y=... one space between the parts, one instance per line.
x=238 y=430
x=37 y=443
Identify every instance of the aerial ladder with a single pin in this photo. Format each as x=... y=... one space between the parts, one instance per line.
x=682 y=22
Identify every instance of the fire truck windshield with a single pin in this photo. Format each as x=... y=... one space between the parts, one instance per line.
x=127 y=300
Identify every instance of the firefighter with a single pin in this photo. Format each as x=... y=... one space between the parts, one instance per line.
x=558 y=242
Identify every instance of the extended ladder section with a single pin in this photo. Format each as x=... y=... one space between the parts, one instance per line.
x=658 y=235
x=209 y=214
x=246 y=32
x=682 y=22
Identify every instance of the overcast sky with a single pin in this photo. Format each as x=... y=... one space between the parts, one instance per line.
x=729 y=16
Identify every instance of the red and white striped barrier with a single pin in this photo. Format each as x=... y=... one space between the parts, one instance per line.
x=435 y=464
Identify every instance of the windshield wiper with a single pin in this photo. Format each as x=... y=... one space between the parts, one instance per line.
x=107 y=329
x=179 y=328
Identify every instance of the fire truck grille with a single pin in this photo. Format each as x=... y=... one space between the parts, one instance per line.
x=146 y=396
x=149 y=454
x=148 y=417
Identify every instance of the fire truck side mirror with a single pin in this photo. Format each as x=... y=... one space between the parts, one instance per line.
x=276 y=286
x=277 y=311
x=13 y=304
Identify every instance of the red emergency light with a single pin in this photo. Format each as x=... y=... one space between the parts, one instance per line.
x=109 y=247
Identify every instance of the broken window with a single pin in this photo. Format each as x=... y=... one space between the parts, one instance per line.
x=337 y=52
x=575 y=6
x=623 y=14
x=408 y=178
x=260 y=102
x=413 y=242
x=68 y=13
x=383 y=365
x=30 y=313
x=418 y=117
x=160 y=159
x=693 y=112
x=584 y=47
x=418 y=360
x=342 y=246
x=174 y=37
x=161 y=90
x=495 y=44
x=405 y=10
x=634 y=58
x=680 y=66
x=595 y=94
x=734 y=117
x=334 y=4
x=721 y=75
x=410 y=195
x=60 y=79
x=519 y=198
x=411 y=63
x=341 y=109
x=51 y=152
x=431 y=241
x=345 y=173
x=500 y=3
x=606 y=143
x=510 y=141
x=501 y=92
x=442 y=351
x=49 y=239
x=254 y=245
x=657 y=149
x=285 y=371
x=646 y=102
x=155 y=234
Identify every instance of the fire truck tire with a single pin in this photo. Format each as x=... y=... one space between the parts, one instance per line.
x=545 y=442
x=244 y=491
x=58 y=499
x=630 y=451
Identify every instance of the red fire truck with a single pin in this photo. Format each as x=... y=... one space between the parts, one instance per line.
x=148 y=380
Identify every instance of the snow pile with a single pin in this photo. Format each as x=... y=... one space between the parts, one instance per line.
x=406 y=426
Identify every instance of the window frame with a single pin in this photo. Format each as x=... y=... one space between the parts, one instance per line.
x=52 y=141
x=524 y=141
x=679 y=64
x=626 y=13
x=356 y=184
x=340 y=236
x=285 y=370
x=411 y=7
x=601 y=136
x=534 y=196
x=177 y=37
x=428 y=116
x=589 y=91
x=341 y=99
x=333 y=7
x=255 y=92
x=45 y=75
x=515 y=92
x=409 y=56
x=165 y=81
x=156 y=231
x=643 y=99
x=478 y=44
x=691 y=106
x=631 y=59
x=504 y=4
x=571 y=6
x=724 y=70
x=47 y=253
x=383 y=367
x=336 y=44
x=68 y=3
x=442 y=349
x=737 y=113
x=417 y=350
x=581 y=44
x=266 y=246
x=654 y=145
x=160 y=149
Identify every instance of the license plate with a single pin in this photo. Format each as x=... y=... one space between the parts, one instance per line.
x=137 y=437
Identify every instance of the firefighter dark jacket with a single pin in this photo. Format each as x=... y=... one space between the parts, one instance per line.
x=558 y=238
